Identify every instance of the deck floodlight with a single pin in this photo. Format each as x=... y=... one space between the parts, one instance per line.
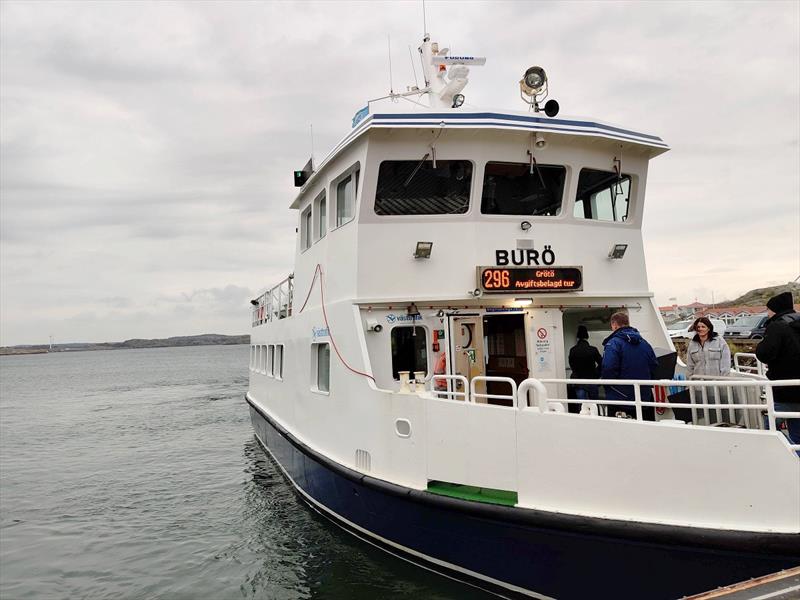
x=523 y=301
x=423 y=250
x=617 y=251
x=458 y=100
x=533 y=81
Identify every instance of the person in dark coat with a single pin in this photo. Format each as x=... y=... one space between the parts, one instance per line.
x=627 y=356
x=780 y=351
x=585 y=361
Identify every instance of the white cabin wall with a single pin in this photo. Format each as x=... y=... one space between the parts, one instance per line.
x=336 y=252
x=388 y=271
x=331 y=423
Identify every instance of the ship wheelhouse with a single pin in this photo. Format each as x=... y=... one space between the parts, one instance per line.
x=483 y=191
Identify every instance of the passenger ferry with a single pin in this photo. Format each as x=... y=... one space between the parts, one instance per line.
x=410 y=376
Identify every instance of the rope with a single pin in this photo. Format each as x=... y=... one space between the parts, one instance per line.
x=325 y=316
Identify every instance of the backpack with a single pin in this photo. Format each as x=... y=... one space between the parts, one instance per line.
x=793 y=321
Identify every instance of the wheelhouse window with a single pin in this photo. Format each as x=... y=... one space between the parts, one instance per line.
x=306 y=229
x=346 y=199
x=522 y=189
x=603 y=196
x=409 y=350
x=321 y=367
x=322 y=216
x=413 y=187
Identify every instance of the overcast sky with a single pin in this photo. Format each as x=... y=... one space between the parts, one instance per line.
x=147 y=148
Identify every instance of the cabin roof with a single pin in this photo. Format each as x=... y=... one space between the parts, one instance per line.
x=574 y=126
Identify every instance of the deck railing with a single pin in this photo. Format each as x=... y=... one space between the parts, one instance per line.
x=275 y=303
x=758 y=397
x=746 y=362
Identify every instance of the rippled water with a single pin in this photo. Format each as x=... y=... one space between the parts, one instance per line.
x=135 y=474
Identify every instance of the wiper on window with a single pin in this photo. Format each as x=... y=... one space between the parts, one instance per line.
x=416 y=169
x=535 y=166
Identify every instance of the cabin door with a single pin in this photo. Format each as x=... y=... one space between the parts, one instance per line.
x=506 y=352
x=467 y=348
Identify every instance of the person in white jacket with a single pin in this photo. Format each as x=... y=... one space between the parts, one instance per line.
x=707 y=352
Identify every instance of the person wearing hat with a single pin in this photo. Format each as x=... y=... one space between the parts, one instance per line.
x=780 y=351
x=585 y=361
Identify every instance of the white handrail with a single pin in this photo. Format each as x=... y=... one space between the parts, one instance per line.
x=448 y=391
x=274 y=303
x=758 y=369
x=539 y=394
x=542 y=400
x=486 y=378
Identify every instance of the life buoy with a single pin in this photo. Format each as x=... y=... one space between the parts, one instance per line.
x=660 y=395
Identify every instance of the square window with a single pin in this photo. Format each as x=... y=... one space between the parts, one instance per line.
x=322 y=216
x=271 y=360
x=279 y=361
x=409 y=350
x=412 y=187
x=306 y=229
x=603 y=196
x=346 y=199
x=321 y=367
x=519 y=189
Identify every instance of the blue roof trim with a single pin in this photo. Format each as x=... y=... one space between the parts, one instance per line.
x=525 y=118
x=658 y=144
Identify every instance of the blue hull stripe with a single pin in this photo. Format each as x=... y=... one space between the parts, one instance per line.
x=518 y=126
x=523 y=118
x=512 y=549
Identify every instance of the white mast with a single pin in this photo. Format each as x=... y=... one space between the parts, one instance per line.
x=443 y=87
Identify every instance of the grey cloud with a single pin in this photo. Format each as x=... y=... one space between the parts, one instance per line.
x=147 y=149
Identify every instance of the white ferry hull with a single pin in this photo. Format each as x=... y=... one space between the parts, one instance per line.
x=519 y=552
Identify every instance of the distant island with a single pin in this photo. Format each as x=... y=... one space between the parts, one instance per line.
x=206 y=339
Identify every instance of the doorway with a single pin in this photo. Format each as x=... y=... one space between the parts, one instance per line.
x=505 y=351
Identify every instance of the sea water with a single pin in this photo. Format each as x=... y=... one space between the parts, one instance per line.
x=135 y=474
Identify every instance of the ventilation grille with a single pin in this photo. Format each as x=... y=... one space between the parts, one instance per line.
x=363 y=460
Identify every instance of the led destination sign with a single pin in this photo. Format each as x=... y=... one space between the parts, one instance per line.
x=502 y=280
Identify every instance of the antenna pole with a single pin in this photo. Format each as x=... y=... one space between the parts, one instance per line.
x=413 y=68
x=389 y=44
x=311 y=128
x=424 y=20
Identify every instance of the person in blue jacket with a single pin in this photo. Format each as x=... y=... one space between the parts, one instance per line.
x=627 y=356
